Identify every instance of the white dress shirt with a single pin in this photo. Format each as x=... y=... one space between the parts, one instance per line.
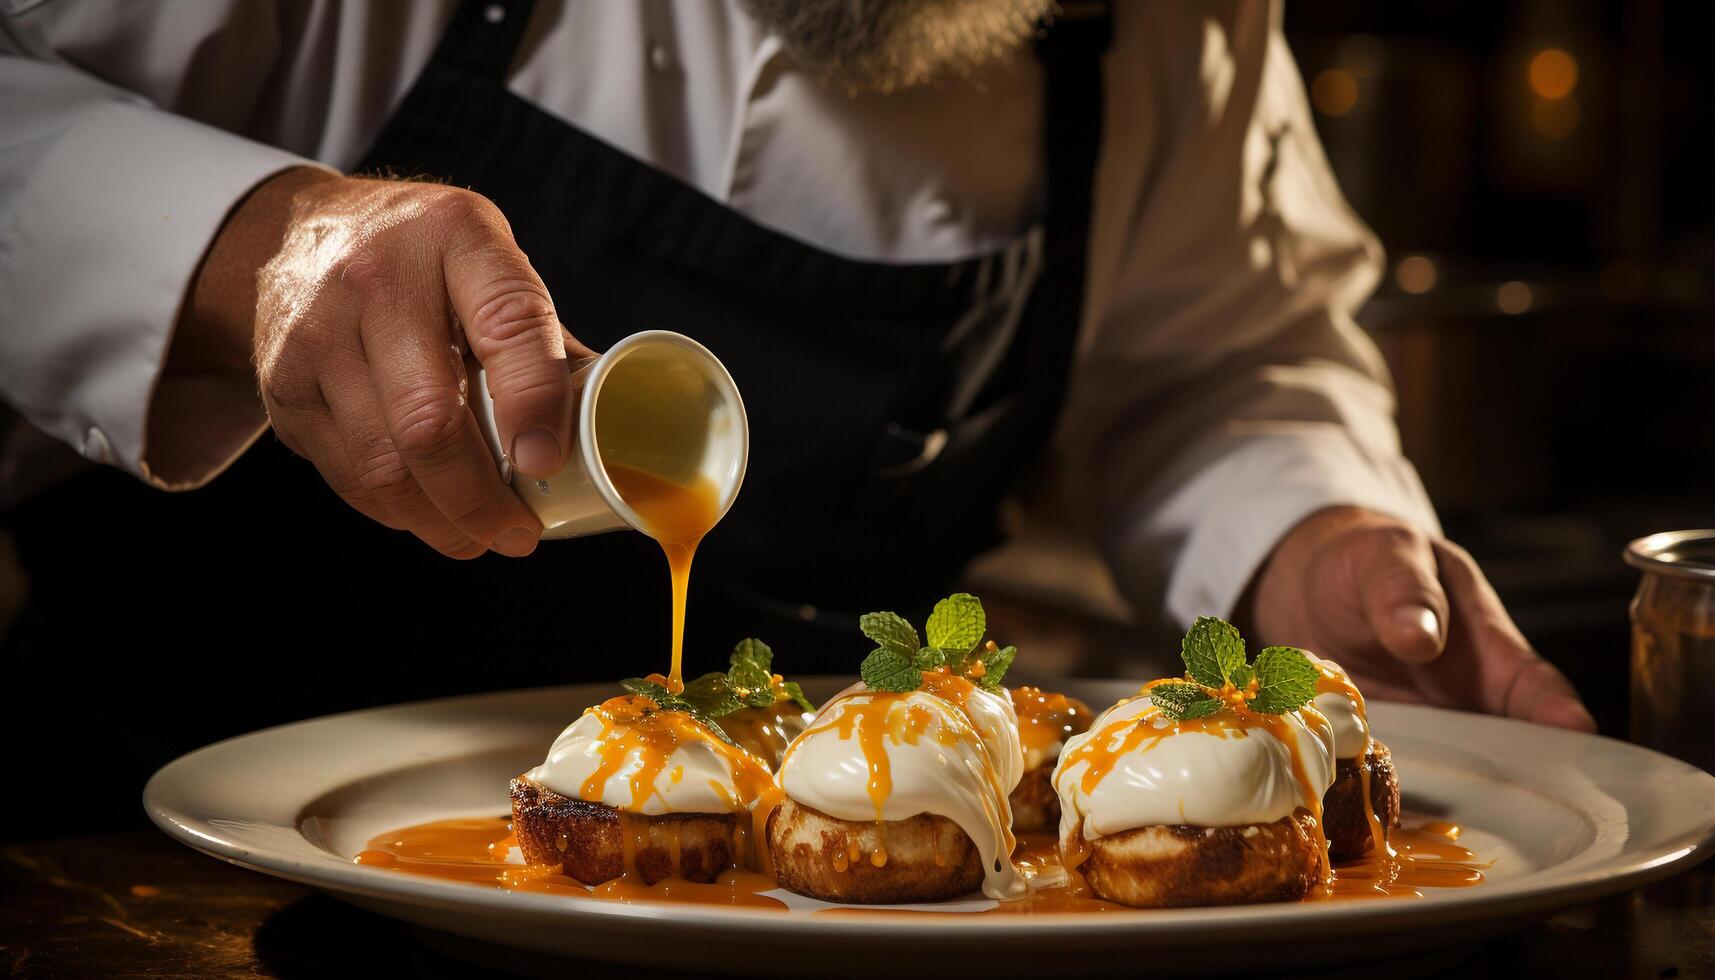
x=1221 y=391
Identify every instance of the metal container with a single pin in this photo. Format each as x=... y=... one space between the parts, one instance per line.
x=657 y=401
x=1673 y=645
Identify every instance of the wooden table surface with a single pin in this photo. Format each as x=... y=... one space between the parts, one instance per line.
x=136 y=904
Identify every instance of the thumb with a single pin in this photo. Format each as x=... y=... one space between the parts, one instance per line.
x=516 y=334
x=1401 y=593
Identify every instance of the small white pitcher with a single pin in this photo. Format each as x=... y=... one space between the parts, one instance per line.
x=657 y=401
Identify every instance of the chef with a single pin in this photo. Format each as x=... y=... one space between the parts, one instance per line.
x=943 y=251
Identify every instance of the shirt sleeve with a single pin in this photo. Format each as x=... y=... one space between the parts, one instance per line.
x=1223 y=391
x=107 y=205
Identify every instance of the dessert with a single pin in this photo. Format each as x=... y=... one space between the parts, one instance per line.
x=1205 y=790
x=1046 y=719
x=1363 y=804
x=637 y=789
x=1241 y=781
x=898 y=791
x=653 y=785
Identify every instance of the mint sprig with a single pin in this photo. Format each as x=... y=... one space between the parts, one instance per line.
x=747 y=683
x=1212 y=650
x=1182 y=701
x=1281 y=679
x=1286 y=680
x=954 y=632
x=751 y=675
x=697 y=699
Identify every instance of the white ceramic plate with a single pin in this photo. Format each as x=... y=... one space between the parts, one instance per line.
x=1567 y=817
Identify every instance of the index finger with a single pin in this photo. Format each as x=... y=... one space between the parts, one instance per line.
x=422 y=389
x=515 y=333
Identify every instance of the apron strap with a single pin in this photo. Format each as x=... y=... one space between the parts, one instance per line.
x=484 y=36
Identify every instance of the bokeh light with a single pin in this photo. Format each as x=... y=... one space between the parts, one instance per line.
x=1553 y=73
x=1416 y=274
x=1513 y=297
x=1334 y=91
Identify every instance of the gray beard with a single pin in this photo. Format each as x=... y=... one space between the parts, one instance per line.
x=886 y=45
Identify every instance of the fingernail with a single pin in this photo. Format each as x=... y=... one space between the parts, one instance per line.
x=1420 y=618
x=536 y=452
x=515 y=543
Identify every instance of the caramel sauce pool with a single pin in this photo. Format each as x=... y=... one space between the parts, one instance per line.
x=476 y=850
x=676 y=516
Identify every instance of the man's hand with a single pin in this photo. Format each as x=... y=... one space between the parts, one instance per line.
x=1409 y=616
x=355 y=300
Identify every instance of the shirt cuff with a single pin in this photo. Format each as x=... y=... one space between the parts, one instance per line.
x=107 y=234
x=1274 y=476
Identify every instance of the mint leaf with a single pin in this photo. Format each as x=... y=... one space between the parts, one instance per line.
x=1242 y=676
x=668 y=701
x=995 y=665
x=712 y=695
x=1180 y=702
x=889 y=630
x=1212 y=650
x=796 y=693
x=886 y=669
x=1286 y=680
x=657 y=693
x=751 y=676
x=929 y=658
x=957 y=623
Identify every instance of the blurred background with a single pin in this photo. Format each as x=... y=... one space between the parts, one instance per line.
x=1549 y=308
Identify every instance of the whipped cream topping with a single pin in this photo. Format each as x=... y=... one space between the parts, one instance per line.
x=1339 y=701
x=882 y=756
x=697 y=777
x=1206 y=773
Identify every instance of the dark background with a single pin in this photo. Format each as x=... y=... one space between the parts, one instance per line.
x=1537 y=172
x=1534 y=171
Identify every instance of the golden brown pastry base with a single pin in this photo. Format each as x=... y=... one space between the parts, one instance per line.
x=1178 y=867
x=1035 y=805
x=585 y=840
x=1343 y=807
x=929 y=858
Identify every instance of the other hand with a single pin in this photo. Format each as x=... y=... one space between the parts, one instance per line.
x=1409 y=615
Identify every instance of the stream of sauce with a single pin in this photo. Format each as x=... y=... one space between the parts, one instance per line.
x=676 y=516
x=476 y=850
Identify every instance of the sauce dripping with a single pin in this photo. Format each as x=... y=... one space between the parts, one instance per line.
x=634 y=727
x=875 y=718
x=1333 y=680
x=1102 y=752
x=882 y=716
x=676 y=516
x=1047 y=717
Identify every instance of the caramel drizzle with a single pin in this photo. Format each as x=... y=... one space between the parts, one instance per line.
x=1335 y=681
x=1103 y=751
x=632 y=724
x=885 y=716
x=1047 y=717
x=676 y=516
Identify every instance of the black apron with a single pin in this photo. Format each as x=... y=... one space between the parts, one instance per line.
x=891 y=408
